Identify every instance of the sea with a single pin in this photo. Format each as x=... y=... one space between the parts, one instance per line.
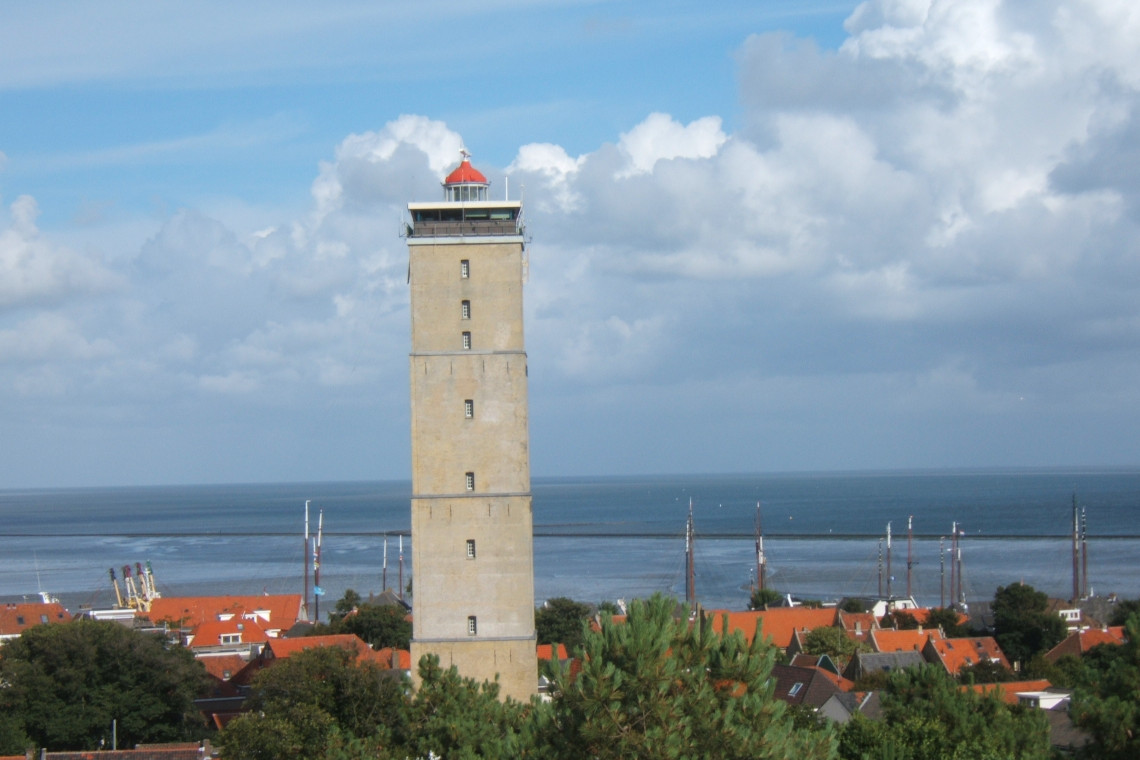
x=597 y=538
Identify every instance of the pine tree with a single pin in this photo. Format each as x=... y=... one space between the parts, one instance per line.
x=927 y=716
x=664 y=687
x=1107 y=704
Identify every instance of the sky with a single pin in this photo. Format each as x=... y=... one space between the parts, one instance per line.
x=764 y=237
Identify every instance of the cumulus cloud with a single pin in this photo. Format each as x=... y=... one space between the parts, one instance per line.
x=938 y=222
x=660 y=138
x=949 y=198
x=52 y=337
x=553 y=170
x=386 y=166
x=34 y=270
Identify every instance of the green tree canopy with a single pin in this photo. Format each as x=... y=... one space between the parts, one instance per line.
x=927 y=716
x=833 y=642
x=64 y=684
x=660 y=687
x=946 y=619
x=1106 y=702
x=900 y=620
x=346 y=604
x=297 y=704
x=381 y=625
x=985 y=671
x=561 y=621
x=762 y=597
x=1023 y=626
x=1123 y=610
x=321 y=703
x=609 y=606
x=454 y=717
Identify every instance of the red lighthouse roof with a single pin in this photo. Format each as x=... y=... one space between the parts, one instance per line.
x=465 y=174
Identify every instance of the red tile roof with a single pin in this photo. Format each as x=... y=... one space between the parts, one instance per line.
x=1008 y=691
x=796 y=685
x=219 y=665
x=272 y=612
x=778 y=624
x=858 y=625
x=545 y=652
x=1079 y=642
x=809 y=662
x=152 y=752
x=954 y=654
x=281 y=648
x=396 y=659
x=920 y=614
x=209 y=634
x=912 y=640
x=17 y=618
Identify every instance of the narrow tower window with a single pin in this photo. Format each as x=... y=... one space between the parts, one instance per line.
x=466 y=341
x=471 y=625
x=469 y=408
x=470 y=548
x=465 y=268
x=470 y=477
x=465 y=309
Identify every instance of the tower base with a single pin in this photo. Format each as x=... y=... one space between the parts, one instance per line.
x=513 y=662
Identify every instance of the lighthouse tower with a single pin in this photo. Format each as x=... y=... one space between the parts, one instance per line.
x=472 y=528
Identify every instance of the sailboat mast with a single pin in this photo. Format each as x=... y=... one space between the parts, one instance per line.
x=961 y=585
x=401 y=567
x=953 y=552
x=761 y=564
x=1076 y=551
x=1084 y=556
x=317 y=590
x=305 y=556
x=889 y=576
x=909 y=552
x=690 y=575
x=880 y=568
x=384 y=571
x=942 y=572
